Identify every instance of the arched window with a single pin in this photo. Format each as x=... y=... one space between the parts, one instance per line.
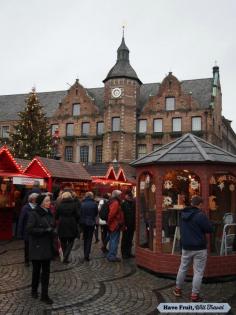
x=147 y=211
x=177 y=190
x=222 y=212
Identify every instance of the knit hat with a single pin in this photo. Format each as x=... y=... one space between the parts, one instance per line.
x=40 y=199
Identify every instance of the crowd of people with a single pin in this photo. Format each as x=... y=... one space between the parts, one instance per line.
x=46 y=225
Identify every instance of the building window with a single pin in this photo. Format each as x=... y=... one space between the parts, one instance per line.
x=69 y=154
x=76 y=110
x=85 y=128
x=84 y=154
x=170 y=103
x=142 y=126
x=69 y=129
x=100 y=127
x=142 y=150
x=196 y=123
x=99 y=154
x=115 y=123
x=5 y=131
x=176 y=124
x=156 y=146
x=54 y=128
x=157 y=125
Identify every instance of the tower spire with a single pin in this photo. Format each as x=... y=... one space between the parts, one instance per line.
x=123 y=32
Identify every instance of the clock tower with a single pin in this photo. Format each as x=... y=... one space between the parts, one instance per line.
x=121 y=99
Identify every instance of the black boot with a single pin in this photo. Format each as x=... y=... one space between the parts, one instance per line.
x=47 y=300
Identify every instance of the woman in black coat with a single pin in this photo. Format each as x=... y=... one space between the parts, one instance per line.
x=40 y=227
x=67 y=213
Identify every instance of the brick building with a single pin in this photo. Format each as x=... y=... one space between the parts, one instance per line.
x=126 y=119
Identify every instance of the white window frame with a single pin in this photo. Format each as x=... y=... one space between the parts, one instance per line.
x=68 y=153
x=158 y=125
x=5 y=132
x=100 y=130
x=115 y=123
x=84 y=158
x=176 y=124
x=197 y=123
x=170 y=103
x=142 y=126
x=85 y=130
x=98 y=157
x=69 y=129
x=54 y=127
x=140 y=152
x=76 y=109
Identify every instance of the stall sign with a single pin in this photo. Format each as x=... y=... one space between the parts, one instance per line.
x=28 y=181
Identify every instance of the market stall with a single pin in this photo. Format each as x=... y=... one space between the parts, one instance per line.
x=12 y=180
x=60 y=174
x=166 y=180
x=108 y=177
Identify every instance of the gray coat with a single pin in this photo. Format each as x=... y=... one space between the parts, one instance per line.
x=40 y=228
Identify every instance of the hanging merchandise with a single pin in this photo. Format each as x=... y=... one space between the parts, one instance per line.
x=212 y=180
x=194 y=184
x=221 y=186
x=167 y=201
x=153 y=188
x=168 y=184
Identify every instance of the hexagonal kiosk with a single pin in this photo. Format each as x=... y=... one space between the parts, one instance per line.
x=167 y=178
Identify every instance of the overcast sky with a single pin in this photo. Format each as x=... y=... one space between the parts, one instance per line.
x=49 y=43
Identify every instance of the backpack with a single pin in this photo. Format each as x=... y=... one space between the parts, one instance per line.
x=103 y=213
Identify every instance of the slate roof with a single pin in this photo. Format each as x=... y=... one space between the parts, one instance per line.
x=101 y=169
x=62 y=169
x=10 y=105
x=187 y=149
x=97 y=169
x=122 y=68
x=22 y=162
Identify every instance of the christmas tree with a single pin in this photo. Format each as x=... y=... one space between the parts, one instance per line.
x=31 y=135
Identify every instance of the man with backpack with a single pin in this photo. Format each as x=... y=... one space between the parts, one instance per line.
x=115 y=224
x=193 y=228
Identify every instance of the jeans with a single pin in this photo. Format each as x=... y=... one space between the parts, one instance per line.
x=199 y=258
x=113 y=244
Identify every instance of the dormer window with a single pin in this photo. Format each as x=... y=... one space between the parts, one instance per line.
x=5 y=131
x=76 y=109
x=170 y=103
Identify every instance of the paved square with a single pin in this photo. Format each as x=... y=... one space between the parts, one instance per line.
x=95 y=287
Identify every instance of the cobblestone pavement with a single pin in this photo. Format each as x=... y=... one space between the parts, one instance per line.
x=94 y=287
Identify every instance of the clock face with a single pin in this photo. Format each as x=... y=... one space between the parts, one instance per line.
x=116 y=92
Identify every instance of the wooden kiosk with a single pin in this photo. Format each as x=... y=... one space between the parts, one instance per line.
x=11 y=178
x=60 y=173
x=166 y=180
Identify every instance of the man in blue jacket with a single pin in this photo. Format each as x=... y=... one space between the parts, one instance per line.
x=193 y=228
x=89 y=212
